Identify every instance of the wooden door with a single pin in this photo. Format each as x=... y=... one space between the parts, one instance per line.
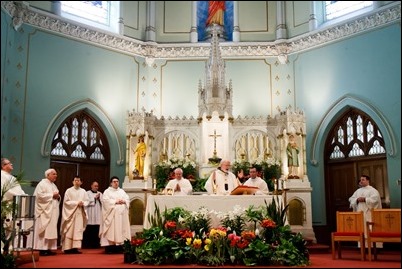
x=342 y=180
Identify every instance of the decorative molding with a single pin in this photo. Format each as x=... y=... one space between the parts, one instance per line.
x=377 y=18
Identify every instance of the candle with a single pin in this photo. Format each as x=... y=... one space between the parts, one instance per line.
x=146 y=184
x=275 y=184
x=284 y=184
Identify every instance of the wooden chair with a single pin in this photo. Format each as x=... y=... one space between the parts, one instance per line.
x=349 y=227
x=385 y=226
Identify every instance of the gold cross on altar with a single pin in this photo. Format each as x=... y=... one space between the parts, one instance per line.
x=215 y=136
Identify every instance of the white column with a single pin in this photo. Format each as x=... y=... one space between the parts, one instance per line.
x=56 y=7
x=193 y=30
x=150 y=34
x=236 y=28
x=377 y=4
x=121 y=20
x=312 y=22
x=281 y=32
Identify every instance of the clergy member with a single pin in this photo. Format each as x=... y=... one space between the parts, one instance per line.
x=115 y=227
x=73 y=217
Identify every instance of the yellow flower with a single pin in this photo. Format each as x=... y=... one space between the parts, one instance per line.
x=188 y=241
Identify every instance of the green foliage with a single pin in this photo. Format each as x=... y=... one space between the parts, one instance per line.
x=157 y=251
x=276 y=212
x=199 y=222
x=7 y=234
x=199 y=184
x=179 y=236
x=257 y=253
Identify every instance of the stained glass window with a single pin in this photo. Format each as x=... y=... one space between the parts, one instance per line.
x=335 y=9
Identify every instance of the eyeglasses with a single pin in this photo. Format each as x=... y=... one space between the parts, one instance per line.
x=7 y=163
x=115 y=181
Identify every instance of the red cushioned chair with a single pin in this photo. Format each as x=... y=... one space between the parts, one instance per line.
x=349 y=228
x=385 y=226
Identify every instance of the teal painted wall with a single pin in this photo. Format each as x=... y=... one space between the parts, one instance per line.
x=45 y=77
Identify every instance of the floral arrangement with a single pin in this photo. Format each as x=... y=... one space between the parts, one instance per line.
x=271 y=169
x=251 y=236
x=164 y=170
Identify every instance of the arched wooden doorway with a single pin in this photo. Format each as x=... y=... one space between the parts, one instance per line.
x=354 y=146
x=80 y=147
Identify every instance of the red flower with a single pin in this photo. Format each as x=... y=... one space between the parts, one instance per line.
x=268 y=223
x=170 y=225
x=137 y=242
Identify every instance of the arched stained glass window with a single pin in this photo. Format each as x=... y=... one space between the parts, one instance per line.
x=355 y=135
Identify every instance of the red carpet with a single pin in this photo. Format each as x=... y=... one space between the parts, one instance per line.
x=96 y=258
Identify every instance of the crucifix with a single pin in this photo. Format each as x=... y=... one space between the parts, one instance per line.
x=215 y=136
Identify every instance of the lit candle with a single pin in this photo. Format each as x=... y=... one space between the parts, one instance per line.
x=275 y=184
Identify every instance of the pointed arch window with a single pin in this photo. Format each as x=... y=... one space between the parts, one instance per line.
x=80 y=138
x=355 y=135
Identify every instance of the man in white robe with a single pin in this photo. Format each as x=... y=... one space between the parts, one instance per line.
x=179 y=185
x=73 y=218
x=364 y=199
x=115 y=227
x=10 y=187
x=46 y=214
x=94 y=213
x=255 y=181
x=221 y=181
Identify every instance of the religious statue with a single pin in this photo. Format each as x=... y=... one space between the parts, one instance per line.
x=292 y=151
x=216 y=11
x=139 y=157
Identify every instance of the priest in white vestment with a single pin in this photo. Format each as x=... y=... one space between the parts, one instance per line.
x=73 y=218
x=179 y=185
x=255 y=181
x=46 y=214
x=115 y=227
x=221 y=181
x=364 y=199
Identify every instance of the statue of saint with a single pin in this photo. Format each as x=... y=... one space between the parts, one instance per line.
x=292 y=151
x=139 y=157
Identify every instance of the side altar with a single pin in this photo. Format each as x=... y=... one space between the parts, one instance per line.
x=215 y=134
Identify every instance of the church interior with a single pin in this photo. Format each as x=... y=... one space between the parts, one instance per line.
x=240 y=88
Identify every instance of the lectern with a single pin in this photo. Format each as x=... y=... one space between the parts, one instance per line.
x=24 y=224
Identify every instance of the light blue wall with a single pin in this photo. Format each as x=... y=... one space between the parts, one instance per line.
x=46 y=77
x=367 y=69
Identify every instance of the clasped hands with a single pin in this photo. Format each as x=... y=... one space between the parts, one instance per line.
x=361 y=199
x=120 y=201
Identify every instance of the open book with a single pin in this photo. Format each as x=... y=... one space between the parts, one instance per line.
x=240 y=190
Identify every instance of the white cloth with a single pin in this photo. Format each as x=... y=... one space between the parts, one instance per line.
x=46 y=215
x=73 y=218
x=373 y=200
x=225 y=182
x=10 y=186
x=259 y=183
x=185 y=186
x=115 y=226
x=94 y=208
